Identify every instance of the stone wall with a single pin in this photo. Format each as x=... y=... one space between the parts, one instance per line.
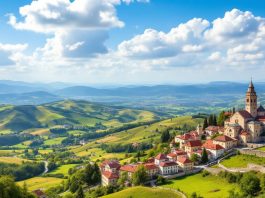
x=252 y=152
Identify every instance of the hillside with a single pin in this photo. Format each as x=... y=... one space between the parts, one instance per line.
x=18 y=118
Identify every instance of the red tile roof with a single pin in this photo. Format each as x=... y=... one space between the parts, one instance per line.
x=245 y=114
x=224 y=138
x=184 y=160
x=129 y=168
x=194 y=143
x=161 y=156
x=167 y=164
x=244 y=133
x=210 y=145
x=111 y=164
x=261 y=118
x=180 y=152
x=110 y=175
x=212 y=128
x=172 y=155
x=150 y=166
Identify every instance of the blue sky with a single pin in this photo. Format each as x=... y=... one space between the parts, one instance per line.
x=133 y=41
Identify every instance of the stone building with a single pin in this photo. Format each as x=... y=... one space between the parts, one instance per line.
x=246 y=126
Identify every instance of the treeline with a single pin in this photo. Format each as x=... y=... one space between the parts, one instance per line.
x=128 y=148
x=9 y=189
x=23 y=171
x=9 y=140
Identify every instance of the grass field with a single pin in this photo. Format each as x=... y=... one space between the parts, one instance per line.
x=54 y=141
x=40 y=182
x=143 y=192
x=208 y=187
x=12 y=160
x=241 y=161
x=261 y=148
x=63 y=169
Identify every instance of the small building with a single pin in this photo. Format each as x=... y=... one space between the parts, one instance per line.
x=183 y=139
x=129 y=169
x=225 y=141
x=172 y=157
x=168 y=168
x=212 y=130
x=193 y=146
x=110 y=165
x=160 y=158
x=151 y=169
x=185 y=164
x=109 y=178
x=216 y=150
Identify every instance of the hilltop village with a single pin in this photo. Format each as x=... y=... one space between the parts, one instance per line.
x=242 y=128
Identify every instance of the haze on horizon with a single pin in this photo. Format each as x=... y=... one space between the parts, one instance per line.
x=132 y=42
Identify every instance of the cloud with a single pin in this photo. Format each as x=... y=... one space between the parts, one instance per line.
x=153 y=44
x=237 y=39
x=8 y=52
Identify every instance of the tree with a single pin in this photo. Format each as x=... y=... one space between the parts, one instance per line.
x=80 y=192
x=250 y=184
x=210 y=120
x=221 y=119
x=140 y=176
x=92 y=174
x=194 y=158
x=123 y=178
x=204 y=158
x=160 y=180
x=165 y=137
x=214 y=120
x=205 y=124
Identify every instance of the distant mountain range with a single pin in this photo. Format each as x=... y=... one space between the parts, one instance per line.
x=14 y=92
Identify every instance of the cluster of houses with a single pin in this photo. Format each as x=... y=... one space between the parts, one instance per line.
x=242 y=127
x=178 y=160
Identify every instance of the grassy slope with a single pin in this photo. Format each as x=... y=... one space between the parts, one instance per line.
x=63 y=169
x=210 y=186
x=40 y=182
x=138 y=134
x=241 y=161
x=143 y=192
x=12 y=160
x=24 y=117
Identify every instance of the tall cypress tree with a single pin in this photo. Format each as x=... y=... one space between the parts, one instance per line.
x=214 y=120
x=204 y=158
x=205 y=124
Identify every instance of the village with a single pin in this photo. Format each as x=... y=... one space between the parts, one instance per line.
x=242 y=128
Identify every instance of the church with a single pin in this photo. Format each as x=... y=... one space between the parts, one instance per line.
x=247 y=125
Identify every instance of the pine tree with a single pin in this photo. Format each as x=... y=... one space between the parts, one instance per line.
x=204 y=158
x=165 y=137
x=221 y=119
x=205 y=124
x=210 y=120
x=214 y=120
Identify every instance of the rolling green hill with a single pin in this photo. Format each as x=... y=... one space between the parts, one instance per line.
x=19 y=118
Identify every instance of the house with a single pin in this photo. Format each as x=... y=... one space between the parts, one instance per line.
x=39 y=193
x=225 y=141
x=168 y=168
x=212 y=130
x=160 y=158
x=109 y=178
x=216 y=150
x=110 y=165
x=185 y=164
x=183 y=139
x=172 y=157
x=129 y=169
x=192 y=146
x=151 y=169
x=180 y=153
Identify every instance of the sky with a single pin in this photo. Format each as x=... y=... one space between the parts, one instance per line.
x=132 y=41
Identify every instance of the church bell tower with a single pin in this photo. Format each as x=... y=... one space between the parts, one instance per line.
x=251 y=100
